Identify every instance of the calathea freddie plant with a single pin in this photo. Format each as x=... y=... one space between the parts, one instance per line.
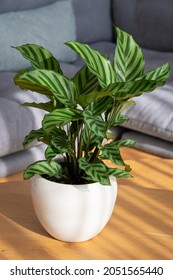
x=81 y=110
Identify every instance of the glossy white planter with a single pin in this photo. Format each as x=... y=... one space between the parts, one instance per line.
x=73 y=213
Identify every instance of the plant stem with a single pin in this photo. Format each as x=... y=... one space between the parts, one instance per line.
x=95 y=153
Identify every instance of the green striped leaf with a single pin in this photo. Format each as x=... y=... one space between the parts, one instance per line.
x=26 y=84
x=125 y=142
x=50 y=154
x=100 y=106
x=89 y=139
x=43 y=167
x=47 y=106
x=60 y=86
x=158 y=74
x=119 y=173
x=118 y=119
x=126 y=90
x=96 y=171
x=97 y=63
x=39 y=57
x=128 y=60
x=60 y=117
x=111 y=151
x=95 y=123
x=61 y=145
x=33 y=135
x=85 y=81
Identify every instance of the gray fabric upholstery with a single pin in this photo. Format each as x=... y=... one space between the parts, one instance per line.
x=150 y=144
x=93 y=20
x=150 y=22
x=17 y=162
x=18 y=5
x=42 y=26
x=153 y=114
x=15 y=121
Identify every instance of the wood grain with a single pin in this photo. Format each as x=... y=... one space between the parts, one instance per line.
x=141 y=226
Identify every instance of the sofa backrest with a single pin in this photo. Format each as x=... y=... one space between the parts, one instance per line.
x=48 y=25
x=93 y=17
x=18 y=5
x=93 y=20
x=150 y=22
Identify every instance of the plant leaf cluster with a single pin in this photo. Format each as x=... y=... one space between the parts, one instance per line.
x=80 y=111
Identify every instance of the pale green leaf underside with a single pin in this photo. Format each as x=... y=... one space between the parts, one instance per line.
x=47 y=106
x=61 y=87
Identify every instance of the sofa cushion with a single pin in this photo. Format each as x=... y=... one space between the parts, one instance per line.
x=93 y=20
x=153 y=114
x=42 y=26
x=150 y=144
x=150 y=22
x=11 y=5
x=15 y=121
x=20 y=160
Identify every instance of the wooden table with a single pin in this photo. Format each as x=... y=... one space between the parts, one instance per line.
x=141 y=226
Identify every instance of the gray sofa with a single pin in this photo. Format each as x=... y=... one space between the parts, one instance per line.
x=50 y=23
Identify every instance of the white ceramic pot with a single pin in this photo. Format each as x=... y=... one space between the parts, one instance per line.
x=73 y=213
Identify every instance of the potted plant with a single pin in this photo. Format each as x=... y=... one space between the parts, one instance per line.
x=74 y=197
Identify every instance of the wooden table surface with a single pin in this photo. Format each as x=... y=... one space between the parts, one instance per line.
x=141 y=226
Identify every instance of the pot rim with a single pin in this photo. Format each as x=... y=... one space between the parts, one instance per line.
x=39 y=177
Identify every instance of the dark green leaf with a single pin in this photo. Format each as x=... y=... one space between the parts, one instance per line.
x=48 y=106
